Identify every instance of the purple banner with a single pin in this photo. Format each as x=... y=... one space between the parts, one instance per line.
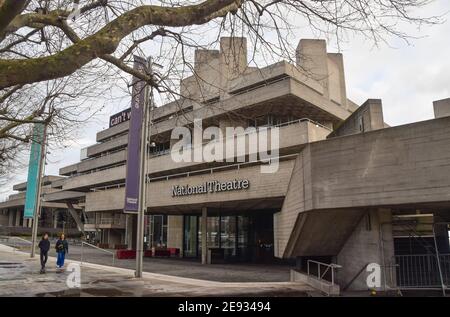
x=134 y=140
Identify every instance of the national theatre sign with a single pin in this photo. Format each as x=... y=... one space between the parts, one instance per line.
x=210 y=187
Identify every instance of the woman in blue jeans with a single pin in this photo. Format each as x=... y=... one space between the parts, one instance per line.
x=62 y=247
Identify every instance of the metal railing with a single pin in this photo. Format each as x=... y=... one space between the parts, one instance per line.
x=327 y=268
x=421 y=271
x=96 y=248
x=210 y=170
x=168 y=151
x=106 y=221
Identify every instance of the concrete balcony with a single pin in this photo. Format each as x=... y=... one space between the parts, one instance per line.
x=104 y=177
x=265 y=191
x=298 y=98
x=20 y=195
x=100 y=162
x=108 y=133
x=63 y=196
x=106 y=223
x=68 y=170
x=110 y=145
x=158 y=114
x=293 y=136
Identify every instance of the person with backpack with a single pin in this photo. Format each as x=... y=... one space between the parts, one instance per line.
x=62 y=248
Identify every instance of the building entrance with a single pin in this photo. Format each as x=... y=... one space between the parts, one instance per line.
x=231 y=238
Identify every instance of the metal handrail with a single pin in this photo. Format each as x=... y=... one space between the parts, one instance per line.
x=202 y=171
x=168 y=151
x=331 y=266
x=97 y=248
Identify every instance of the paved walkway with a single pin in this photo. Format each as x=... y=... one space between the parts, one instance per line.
x=186 y=268
x=19 y=276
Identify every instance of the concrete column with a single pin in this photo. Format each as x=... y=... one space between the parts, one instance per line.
x=204 y=229
x=370 y=242
x=312 y=56
x=18 y=214
x=130 y=231
x=11 y=218
x=336 y=72
x=24 y=222
x=175 y=232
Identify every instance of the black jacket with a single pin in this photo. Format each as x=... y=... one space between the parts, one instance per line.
x=44 y=245
x=62 y=246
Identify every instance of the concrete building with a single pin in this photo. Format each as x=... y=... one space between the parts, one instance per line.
x=349 y=190
x=55 y=217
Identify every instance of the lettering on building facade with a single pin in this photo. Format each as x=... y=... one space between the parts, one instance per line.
x=210 y=187
x=120 y=117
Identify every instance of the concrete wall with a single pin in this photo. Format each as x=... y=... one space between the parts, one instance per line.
x=441 y=108
x=366 y=118
x=402 y=165
x=4 y=218
x=291 y=137
x=214 y=69
x=108 y=145
x=102 y=161
x=370 y=242
x=325 y=68
x=297 y=198
x=175 y=232
x=407 y=164
x=262 y=186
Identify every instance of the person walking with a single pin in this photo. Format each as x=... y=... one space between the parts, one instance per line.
x=44 y=246
x=62 y=248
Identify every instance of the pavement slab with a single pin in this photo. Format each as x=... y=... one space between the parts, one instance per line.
x=19 y=276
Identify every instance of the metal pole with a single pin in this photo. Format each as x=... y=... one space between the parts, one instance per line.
x=142 y=179
x=37 y=212
x=438 y=262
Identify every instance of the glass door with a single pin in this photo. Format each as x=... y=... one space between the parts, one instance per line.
x=190 y=241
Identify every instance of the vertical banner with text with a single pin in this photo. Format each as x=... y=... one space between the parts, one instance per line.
x=134 y=139
x=34 y=169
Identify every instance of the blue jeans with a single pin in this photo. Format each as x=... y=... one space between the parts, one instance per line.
x=60 y=259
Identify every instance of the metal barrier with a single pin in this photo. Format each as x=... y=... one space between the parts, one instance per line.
x=321 y=273
x=421 y=271
x=210 y=170
x=96 y=248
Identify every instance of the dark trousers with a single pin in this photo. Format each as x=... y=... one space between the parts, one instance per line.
x=44 y=257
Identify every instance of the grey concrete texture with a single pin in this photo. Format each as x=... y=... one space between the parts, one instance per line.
x=19 y=276
x=190 y=268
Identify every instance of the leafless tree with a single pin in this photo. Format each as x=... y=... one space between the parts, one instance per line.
x=57 y=56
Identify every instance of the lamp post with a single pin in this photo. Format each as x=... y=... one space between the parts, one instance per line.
x=37 y=211
x=145 y=135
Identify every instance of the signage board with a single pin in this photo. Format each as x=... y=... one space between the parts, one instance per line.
x=134 y=140
x=119 y=117
x=210 y=187
x=31 y=195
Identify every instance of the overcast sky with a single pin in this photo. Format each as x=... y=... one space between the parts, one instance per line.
x=408 y=78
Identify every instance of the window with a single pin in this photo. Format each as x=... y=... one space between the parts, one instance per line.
x=160 y=148
x=158 y=231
